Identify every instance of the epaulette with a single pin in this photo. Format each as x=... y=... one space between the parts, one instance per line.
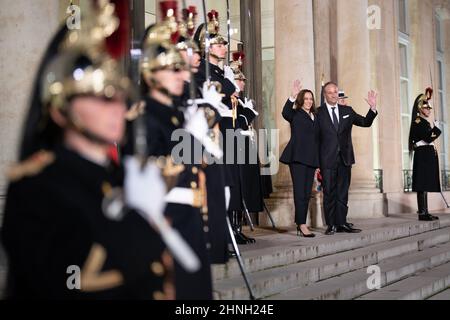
x=31 y=167
x=135 y=111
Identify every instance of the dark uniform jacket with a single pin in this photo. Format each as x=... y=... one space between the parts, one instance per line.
x=215 y=186
x=190 y=221
x=303 y=147
x=54 y=221
x=332 y=142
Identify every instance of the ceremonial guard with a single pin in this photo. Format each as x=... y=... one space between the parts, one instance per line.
x=426 y=162
x=249 y=165
x=229 y=123
x=62 y=236
x=215 y=180
x=162 y=71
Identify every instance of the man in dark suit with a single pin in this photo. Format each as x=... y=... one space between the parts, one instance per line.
x=337 y=156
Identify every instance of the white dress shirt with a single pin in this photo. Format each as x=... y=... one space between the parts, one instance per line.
x=330 y=111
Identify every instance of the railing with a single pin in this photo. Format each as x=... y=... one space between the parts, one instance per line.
x=407 y=180
x=378 y=173
x=445 y=180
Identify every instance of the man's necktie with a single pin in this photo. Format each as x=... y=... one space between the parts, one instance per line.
x=335 y=119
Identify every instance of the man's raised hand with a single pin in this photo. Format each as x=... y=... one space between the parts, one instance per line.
x=372 y=100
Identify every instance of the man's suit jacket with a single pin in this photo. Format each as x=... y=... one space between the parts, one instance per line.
x=333 y=141
x=304 y=144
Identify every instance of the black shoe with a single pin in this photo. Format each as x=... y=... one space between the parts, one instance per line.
x=300 y=233
x=239 y=238
x=350 y=225
x=331 y=230
x=427 y=217
x=248 y=239
x=231 y=254
x=347 y=229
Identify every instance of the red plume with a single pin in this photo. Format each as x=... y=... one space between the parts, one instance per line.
x=118 y=43
x=429 y=93
x=165 y=6
x=238 y=56
x=213 y=14
x=189 y=16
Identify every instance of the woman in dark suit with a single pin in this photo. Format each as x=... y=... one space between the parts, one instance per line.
x=302 y=151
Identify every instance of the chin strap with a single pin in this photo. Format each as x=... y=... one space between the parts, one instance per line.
x=158 y=87
x=216 y=57
x=76 y=126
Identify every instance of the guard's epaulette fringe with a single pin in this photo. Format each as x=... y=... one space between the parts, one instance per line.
x=30 y=167
x=135 y=111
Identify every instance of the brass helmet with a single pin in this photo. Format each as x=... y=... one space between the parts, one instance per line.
x=236 y=65
x=76 y=73
x=422 y=100
x=214 y=36
x=158 y=47
x=82 y=65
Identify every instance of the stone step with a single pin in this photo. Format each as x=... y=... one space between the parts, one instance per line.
x=417 y=287
x=290 y=249
x=354 y=284
x=275 y=280
x=443 y=296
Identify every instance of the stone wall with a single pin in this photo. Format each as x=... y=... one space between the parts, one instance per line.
x=26 y=28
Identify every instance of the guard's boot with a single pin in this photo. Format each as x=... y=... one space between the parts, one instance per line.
x=240 y=219
x=237 y=234
x=426 y=207
x=423 y=211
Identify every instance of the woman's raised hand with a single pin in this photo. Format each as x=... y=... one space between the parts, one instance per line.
x=296 y=88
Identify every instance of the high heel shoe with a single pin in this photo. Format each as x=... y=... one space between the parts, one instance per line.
x=300 y=233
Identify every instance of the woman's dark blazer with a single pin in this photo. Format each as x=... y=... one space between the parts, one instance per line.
x=303 y=147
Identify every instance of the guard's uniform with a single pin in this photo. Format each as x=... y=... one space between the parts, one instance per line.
x=251 y=169
x=55 y=221
x=192 y=221
x=231 y=169
x=426 y=160
x=215 y=186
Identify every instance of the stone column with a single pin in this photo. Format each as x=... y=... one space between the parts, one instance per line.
x=294 y=59
x=354 y=74
x=384 y=54
x=251 y=37
x=26 y=28
x=322 y=44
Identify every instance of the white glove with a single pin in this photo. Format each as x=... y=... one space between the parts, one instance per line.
x=144 y=188
x=145 y=191
x=198 y=127
x=227 y=197
x=229 y=74
x=214 y=99
x=197 y=124
x=190 y=111
x=248 y=104
x=248 y=133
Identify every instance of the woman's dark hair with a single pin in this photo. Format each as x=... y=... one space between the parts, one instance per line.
x=300 y=101
x=39 y=131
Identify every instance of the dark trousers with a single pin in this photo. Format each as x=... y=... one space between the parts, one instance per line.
x=336 y=182
x=302 y=179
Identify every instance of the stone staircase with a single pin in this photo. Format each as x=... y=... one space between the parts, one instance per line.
x=413 y=259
